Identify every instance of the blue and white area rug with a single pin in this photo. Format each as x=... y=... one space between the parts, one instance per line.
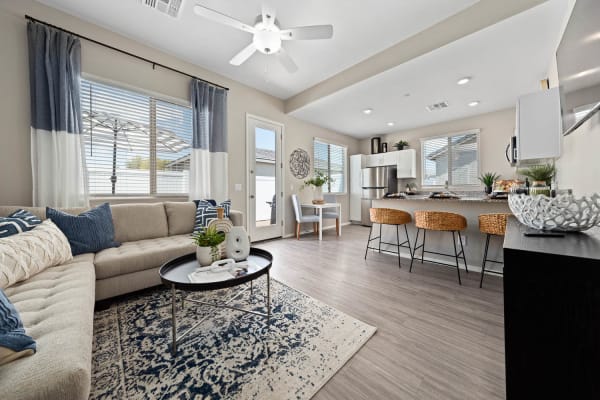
x=230 y=355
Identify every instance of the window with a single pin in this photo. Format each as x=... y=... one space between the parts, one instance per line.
x=135 y=144
x=453 y=159
x=330 y=160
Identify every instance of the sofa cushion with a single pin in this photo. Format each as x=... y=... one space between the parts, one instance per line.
x=57 y=308
x=14 y=342
x=180 y=216
x=29 y=253
x=141 y=255
x=139 y=221
x=18 y=222
x=88 y=232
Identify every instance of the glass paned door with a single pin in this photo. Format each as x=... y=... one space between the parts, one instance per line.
x=264 y=177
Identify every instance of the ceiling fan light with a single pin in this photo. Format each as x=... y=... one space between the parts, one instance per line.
x=267 y=41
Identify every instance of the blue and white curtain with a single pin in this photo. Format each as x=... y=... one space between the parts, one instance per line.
x=57 y=154
x=208 y=163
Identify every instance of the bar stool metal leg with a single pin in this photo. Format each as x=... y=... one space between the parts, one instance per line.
x=398 y=246
x=456 y=257
x=462 y=250
x=423 y=250
x=380 y=225
x=368 y=241
x=414 y=253
x=408 y=241
x=485 y=253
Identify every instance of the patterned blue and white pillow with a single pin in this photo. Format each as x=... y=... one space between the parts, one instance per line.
x=18 y=222
x=206 y=212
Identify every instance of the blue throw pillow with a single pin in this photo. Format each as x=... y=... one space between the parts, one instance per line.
x=206 y=212
x=12 y=333
x=17 y=222
x=211 y=201
x=88 y=232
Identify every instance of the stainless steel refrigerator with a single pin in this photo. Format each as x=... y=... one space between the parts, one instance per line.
x=374 y=186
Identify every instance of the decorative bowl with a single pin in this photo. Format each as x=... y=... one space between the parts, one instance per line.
x=562 y=213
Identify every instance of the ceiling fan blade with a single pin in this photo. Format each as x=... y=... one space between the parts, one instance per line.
x=308 y=32
x=268 y=15
x=243 y=55
x=216 y=16
x=286 y=61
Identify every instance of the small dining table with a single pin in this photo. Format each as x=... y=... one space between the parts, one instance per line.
x=320 y=208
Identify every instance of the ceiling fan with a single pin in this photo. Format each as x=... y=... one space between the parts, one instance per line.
x=267 y=35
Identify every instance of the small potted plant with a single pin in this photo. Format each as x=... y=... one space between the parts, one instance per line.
x=208 y=240
x=488 y=180
x=400 y=145
x=318 y=181
x=541 y=176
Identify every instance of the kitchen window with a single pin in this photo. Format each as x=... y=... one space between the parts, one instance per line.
x=135 y=144
x=451 y=160
x=330 y=160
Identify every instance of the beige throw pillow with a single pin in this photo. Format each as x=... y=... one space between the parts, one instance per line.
x=29 y=253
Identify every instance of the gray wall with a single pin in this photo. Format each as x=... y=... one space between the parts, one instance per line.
x=99 y=62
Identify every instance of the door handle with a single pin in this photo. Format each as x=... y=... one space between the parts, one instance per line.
x=251 y=196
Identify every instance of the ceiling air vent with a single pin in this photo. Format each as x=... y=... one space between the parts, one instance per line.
x=169 y=7
x=437 y=106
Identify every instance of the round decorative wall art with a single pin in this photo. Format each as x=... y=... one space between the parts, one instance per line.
x=300 y=163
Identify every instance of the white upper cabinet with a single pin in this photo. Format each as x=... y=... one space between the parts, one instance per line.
x=376 y=160
x=406 y=164
x=404 y=160
x=539 y=125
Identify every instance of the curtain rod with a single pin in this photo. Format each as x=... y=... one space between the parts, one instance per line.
x=154 y=64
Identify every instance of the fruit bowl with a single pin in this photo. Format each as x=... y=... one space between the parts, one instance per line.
x=562 y=213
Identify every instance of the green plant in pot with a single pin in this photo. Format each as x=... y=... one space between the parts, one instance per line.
x=208 y=240
x=488 y=180
x=318 y=180
x=541 y=177
x=400 y=145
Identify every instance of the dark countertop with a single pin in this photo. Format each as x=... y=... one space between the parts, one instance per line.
x=574 y=244
x=470 y=199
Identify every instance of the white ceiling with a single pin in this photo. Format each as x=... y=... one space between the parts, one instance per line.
x=361 y=29
x=505 y=60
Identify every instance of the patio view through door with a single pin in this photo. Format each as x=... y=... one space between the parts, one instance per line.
x=265 y=167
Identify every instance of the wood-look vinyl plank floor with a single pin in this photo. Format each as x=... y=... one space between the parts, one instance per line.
x=435 y=339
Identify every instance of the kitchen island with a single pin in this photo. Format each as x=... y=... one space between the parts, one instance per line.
x=474 y=241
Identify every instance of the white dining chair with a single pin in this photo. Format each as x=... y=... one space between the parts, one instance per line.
x=332 y=213
x=300 y=218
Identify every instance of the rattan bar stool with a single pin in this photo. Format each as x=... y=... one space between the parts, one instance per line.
x=389 y=216
x=445 y=222
x=491 y=224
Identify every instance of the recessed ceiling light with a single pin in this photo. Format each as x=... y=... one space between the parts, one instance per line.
x=464 y=81
x=367 y=111
x=390 y=124
x=474 y=103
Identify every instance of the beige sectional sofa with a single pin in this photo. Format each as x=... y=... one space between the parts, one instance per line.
x=57 y=305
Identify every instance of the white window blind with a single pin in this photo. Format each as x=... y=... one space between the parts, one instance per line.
x=453 y=159
x=134 y=142
x=330 y=160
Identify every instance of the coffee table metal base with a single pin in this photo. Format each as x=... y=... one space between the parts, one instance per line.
x=176 y=339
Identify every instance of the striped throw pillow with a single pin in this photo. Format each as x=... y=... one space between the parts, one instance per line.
x=18 y=222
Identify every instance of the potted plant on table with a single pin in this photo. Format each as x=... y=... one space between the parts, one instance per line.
x=488 y=180
x=318 y=181
x=400 y=145
x=541 y=176
x=208 y=240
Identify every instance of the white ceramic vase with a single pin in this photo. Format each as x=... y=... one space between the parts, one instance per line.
x=207 y=255
x=318 y=193
x=237 y=244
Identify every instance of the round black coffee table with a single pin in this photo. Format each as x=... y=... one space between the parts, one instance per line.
x=177 y=274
